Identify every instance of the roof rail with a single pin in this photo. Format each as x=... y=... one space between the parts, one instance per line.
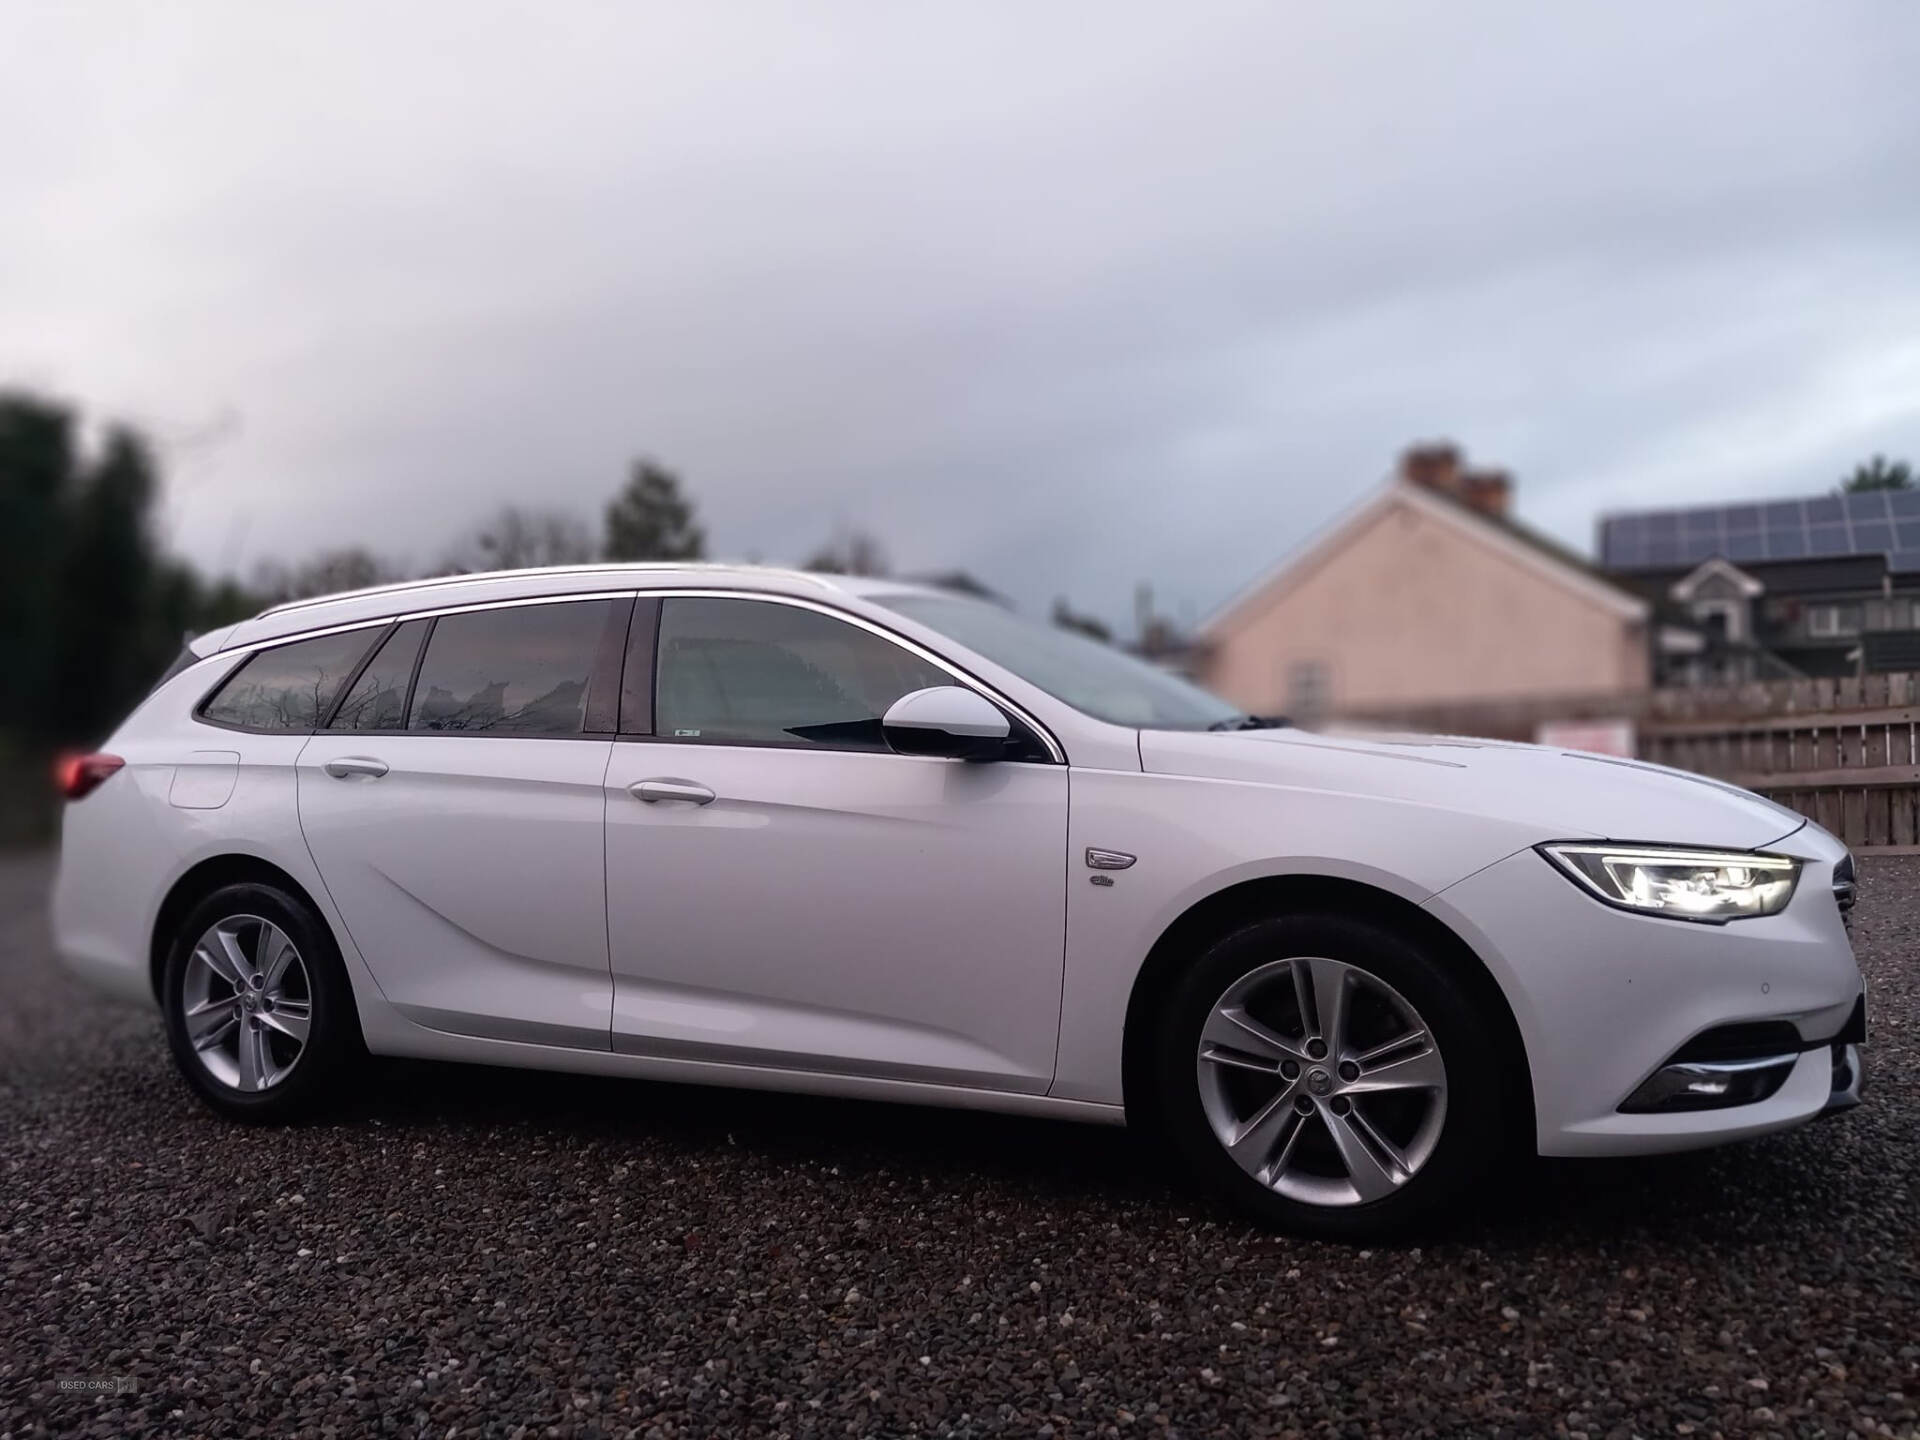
x=612 y=567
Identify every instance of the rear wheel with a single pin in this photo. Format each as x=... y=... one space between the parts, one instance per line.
x=258 y=1010
x=1329 y=1077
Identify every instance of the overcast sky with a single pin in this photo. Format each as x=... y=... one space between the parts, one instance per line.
x=1069 y=296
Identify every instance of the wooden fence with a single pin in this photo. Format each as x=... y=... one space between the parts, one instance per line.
x=1845 y=753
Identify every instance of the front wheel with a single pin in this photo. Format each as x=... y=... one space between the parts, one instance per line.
x=258 y=1009
x=1330 y=1078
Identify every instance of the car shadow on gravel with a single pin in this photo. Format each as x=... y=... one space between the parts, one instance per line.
x=1759 y=1192
x=943 y=1143
x=1766 y=1192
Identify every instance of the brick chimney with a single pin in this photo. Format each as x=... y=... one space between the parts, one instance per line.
x=1440 y=467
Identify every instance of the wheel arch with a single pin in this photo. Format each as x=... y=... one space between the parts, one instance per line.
x=1219 y=914
x=201 y=880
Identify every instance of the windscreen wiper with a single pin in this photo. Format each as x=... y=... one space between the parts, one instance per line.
x=1252 y=722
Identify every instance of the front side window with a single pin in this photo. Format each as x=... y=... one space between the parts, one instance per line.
x=1097 y=679
x=522 y=670
x=754 y=672
x=289 y=687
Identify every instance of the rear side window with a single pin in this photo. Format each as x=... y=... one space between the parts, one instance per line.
x=750 y=672
x=289 y=687
x=378 y=699
x=517 y=671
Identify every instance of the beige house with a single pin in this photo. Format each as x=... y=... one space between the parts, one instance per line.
x=1427 y=594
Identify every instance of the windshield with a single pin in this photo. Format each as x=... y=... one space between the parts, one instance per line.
x=1105 y=683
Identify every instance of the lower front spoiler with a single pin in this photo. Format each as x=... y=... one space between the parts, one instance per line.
x=1849 y=1079
x=1825 y=1078
x=1731 y=1066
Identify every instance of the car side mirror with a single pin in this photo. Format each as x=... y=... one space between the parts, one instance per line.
x=948 y=721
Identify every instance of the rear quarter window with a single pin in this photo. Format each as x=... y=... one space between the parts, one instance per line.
x=290 y=687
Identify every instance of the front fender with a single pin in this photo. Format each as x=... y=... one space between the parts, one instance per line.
x=1193 y=838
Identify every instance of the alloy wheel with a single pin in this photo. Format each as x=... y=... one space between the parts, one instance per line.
x=248 y=1003
x=1321 y=1081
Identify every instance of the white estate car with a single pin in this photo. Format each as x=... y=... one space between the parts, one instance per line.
x=746 y=827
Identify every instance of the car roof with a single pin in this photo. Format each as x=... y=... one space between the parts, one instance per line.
x=379 y=602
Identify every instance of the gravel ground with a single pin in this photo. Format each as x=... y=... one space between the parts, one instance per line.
x=482 y=1252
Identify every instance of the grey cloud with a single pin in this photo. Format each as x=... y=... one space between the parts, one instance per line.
x=1070 y=296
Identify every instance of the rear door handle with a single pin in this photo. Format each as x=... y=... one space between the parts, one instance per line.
x=654 y=791
x=355 y=767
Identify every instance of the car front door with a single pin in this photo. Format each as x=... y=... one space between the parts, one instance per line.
x=785 y=891
x=454 y=807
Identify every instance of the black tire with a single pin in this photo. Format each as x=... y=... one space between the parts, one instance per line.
x=333 y=1044
x=1474 y=1132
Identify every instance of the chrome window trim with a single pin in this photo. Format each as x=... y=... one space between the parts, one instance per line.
x=241 y=654
x=619 y=572
x=695 y=592
x=254 y=646
x=248 y=647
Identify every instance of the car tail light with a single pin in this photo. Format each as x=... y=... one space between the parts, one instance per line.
x=78 y=776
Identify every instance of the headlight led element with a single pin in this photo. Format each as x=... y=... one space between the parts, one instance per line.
x=1709 y=885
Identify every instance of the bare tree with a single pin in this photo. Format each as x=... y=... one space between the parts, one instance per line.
x=519 y=539
x=849 y=552
x=327 y=573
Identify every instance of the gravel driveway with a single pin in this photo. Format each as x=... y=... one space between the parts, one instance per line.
x=489 y=1252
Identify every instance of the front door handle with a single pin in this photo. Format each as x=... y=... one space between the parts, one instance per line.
x=654 y=791
x=355 y=767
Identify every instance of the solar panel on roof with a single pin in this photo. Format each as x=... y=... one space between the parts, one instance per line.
x=1904 y=561
x=1866 y=505
x=1821 y=526
x=1784 y=545
x=1829 y=540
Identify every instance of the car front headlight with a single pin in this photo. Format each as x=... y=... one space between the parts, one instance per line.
x=1681 y=884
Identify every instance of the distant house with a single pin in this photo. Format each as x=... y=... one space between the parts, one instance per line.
x=1776 y=589
x=1428 y=593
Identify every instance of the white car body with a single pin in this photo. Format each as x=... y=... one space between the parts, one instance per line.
x=926 y=929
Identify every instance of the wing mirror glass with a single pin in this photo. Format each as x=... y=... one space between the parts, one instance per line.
x=948 y=721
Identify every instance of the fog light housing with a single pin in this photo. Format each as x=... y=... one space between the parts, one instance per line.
x=1710 y=1084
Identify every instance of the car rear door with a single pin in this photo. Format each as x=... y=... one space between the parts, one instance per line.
x=785 y=891
x=453 y=805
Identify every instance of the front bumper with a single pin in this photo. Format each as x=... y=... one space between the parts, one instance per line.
x=1606 y=999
